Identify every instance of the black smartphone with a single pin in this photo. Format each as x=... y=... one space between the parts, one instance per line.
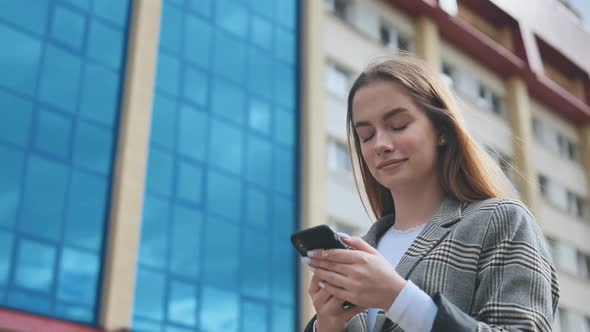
x=318 y=237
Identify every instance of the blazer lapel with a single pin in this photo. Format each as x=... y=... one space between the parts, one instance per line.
x=436 y=230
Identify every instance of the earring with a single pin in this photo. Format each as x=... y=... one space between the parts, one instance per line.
x=442 y=141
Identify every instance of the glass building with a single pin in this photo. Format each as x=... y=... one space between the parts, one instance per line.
x=207 y=248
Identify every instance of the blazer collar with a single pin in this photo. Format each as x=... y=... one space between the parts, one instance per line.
x=449 y=212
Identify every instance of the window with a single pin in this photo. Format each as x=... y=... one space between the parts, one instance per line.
x=502 y=160
x=340 y=8
x=488 y=99
x=391 y=38
x=337 y=80
x=551 y=138
x=562 y=198
x=583 y=265
x=448 y=75
x=338 y=158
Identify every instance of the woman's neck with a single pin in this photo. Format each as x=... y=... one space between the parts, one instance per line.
x=416 y=206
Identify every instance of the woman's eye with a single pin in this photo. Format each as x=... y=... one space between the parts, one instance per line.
x=364 y=139
x=399 y=128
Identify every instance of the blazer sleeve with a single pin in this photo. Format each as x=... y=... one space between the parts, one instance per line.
x=517 y=288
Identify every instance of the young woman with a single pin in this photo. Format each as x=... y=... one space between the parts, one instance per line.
x=449 y=251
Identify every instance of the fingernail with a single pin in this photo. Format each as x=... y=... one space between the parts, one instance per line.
x=312 y=268
x=322 y=285
x=310 y=253
x=344 y=235
x=306 y=260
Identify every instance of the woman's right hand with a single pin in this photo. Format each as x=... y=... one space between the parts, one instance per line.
x=331 y=317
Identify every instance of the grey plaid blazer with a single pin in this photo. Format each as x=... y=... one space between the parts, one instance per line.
x=485 y=264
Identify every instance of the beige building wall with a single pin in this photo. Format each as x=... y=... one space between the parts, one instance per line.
x=130 y=167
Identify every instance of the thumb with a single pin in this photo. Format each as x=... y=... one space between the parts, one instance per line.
x=358 y=243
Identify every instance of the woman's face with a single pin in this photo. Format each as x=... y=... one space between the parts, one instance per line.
x=398 y=141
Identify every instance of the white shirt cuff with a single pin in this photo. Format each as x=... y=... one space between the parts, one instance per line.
x=413 y=310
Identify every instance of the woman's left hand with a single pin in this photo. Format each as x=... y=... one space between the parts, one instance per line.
x=362 y=276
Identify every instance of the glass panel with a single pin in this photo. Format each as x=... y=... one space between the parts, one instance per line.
x=154 y=230
x=255 y=316
x=10 y=177
x=28 y=301
x=164 y=115
x=202 y=7
x=182 y=305
x=60 y=79
x=93 y=148
x=285 y=46
x=100 y=95
x=167 y=73
x=283 y=215
x=260 y=73
x=229 y=57
x=114 y=11
x=228 y=101
x=219 y=311
x=225 y=147
x=258 y=160
x=232 y=16
x=283 y=288
x=286 y=13
x=264 y=7
x=257 y=208
x=224 y=195
x=221 y=254
x=149 y=294
x=285 y=127
x=6 y=242
x=19 y=65
x=259 y=115
x=105 y=44
x=284 y=84
x=74 y=312
x=195 y=86
x=143 y=325
x=17 y=113
x=192 y=133
x=197 y=41
x=34 y=266
x=68 y=27
x=186 y=242
x=255 y=264
x=171 y=28
x=43 y=199
x=27 y=14
x=53 y=133
x=78 y=276
x=283 y=171
x=86 y=214
x=261 y=32
x=159 y=171
x=283 y=318
x=189 y=182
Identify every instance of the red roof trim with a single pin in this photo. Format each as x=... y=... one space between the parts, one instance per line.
x=24 y=322
x=500 y=60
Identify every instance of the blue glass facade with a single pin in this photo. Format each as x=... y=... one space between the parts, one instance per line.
x=220 y=200
x=62 y=67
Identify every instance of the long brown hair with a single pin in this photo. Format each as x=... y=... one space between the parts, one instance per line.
x=467 y=173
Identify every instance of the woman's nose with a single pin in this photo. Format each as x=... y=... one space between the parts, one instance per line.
x=383 y=142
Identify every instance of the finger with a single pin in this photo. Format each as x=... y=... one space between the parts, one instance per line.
x=335 y=291
x=314 y=285
x=320 y=298
x=333 y=278
x=343 y=256
x=359 y=244
x=340 y=268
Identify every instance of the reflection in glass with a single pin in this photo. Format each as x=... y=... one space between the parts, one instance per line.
x=34 y=266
